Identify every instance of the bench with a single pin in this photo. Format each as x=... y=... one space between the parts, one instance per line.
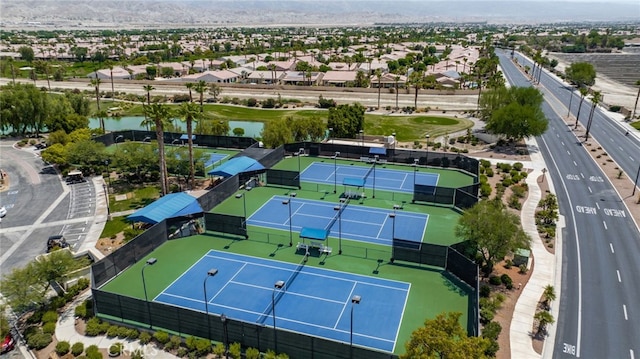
x=365 y=159
x=324 y=249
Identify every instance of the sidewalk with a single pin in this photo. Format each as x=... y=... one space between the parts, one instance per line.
x=65 y=330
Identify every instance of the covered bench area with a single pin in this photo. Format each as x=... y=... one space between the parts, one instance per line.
x=316 y=239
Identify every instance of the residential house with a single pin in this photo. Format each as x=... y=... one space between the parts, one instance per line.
x=265 y=77
x=388 y=80
x=339 y=78
x=300 y=78
x=118 y=72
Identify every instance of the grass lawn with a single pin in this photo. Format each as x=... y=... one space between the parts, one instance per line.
x=636 y=125
x=136 y=198
x=407 y=128
x=114 y=226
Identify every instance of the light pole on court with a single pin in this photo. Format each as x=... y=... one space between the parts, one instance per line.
x=375 y=161
x=427 y=137
x=415 y=170
x=278 y=285
x=244 y=200
x=354 y=300
x=335 y=172
x=331 y=134
x=212 y=272
x=362 y=137
x=339 y=209
x=288 y=203
x=300 y=153
x=149 y=262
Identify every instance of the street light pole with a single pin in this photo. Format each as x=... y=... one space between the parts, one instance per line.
x=300 y=153
x=244 y=201
x=223 y=319
x=106 y=197
x=288 y=203
x=354 y=300
x=415 y=170
x=278 y=285
x=335 y=172
x=362 y=137
x=150 y=262
x=212 y=272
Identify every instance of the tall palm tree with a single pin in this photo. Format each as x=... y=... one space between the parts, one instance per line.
x=201 y=87
x=417 y=80
x=13 y=70
x=189 y=86
x=583 y=93
x=595 y=100
x=101 y=115
x=396 y=79
x=634 y=106
x=95 y=83
x=188 y=113
x=148 y=88
x=544 y=318
x=379 y=75
x=548 y=295
x=160 y=114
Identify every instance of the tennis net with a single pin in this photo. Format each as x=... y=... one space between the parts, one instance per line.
x=343 y=206
x=369 y=172
x=280 y=292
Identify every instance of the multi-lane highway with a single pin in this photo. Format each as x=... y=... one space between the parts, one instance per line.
x=599 y=306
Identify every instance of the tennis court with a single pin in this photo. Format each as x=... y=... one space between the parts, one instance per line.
x=313 y=301
x=359 y=223
x=214 y=158
x=385 y=179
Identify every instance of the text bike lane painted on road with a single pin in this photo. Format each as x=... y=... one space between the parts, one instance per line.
x=569 y=349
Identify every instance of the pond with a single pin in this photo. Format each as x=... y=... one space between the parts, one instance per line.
x=251 y=129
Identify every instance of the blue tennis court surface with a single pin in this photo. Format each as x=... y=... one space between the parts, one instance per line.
x=390 y=180
x=317 y=302
x=359 y=223
x=215 y=157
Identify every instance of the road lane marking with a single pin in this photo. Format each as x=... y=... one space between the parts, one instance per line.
x=631 y=353
x=631 y=158
x=562 y=142
x=597 y=205
x=605 y=224
x=619 y=279
x=575 y=164
x=624 y=308
x=569 y=153
x=589 y=188
x=611 y=246
x=581 y=174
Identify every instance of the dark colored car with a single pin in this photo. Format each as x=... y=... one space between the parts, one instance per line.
x=8 y=344
x=57 y=241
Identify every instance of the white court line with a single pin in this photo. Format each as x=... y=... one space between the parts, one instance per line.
x=404 y=308
x=344 y=305
x=181 y=275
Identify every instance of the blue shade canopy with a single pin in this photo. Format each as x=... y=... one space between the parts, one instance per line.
x=236 y=165
x=171 y=205
x=314 y=234
x=186 y=137
x=378 y=151
x=355 y=182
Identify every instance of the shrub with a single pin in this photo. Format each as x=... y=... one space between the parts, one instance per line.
x=62 y=348
x=35 y=318
x=144 y=337
x=174 y=341
x=39 y=340
x=57 y=302
x=491 y=330
x=504 y=167
x=506 y=280
x=514 y=202
x=485 y=163
x=519 y=191
x=252 y=353
x=137 y=354
x=485 y=190
x=523 y=269
x=252 y=102
x=507 y=182
x=518 y=166
x=485 y=291
x=49 y=328
x=489 y=172
x=182 y=352
x=112 y=331
x=235 y=350
x=161 y=336
x=495 y=280
x=93 y=327
x=77 y=349
x=202 y=347
x=123 y=332
x=486 y=315
x=50 y=317
x=219 y=349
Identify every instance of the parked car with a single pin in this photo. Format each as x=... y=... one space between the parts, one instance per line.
x=56 y=242
x=3 y=211
x=75 y=177
x=8 y=344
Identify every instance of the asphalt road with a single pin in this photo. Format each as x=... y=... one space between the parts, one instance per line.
x=599 y=314
x=38 y=205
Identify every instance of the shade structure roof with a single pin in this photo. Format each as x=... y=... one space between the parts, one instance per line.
x=171 y=205
x=378 y=151
x=236 y=165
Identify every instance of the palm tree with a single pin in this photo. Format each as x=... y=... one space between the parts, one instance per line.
x=544 y=318
x=110 y=66
x=201 y=88
x=634 y=106
x=379 y=75
x=417 y=80
x=189 y=85
x=13 y=71
x=96 y=84
x=101 y=115
x=160 y=114
x=148 y=88
x=583 y=93
x=595 y=100
x=548 y=295
x=396 y=79
x=189 y=112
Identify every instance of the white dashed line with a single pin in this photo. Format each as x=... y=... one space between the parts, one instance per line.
x=619 y=279
x=624 y=308
x=581 y=174
x=597 y=205
x=569 y=153
x=605 y=224
x=575 y=164
x=611 y=246
x=589 y=188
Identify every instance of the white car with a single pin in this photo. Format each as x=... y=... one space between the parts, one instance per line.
x=3 y=212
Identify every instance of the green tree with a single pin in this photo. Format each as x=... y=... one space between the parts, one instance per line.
x=215 y=90
x=544 y=318
x=188 y=113
x=160 y=114
x=548 y=295
x=635 y=106
x=276 y=132
x=444 y=337
x=87 y=155
x=346 y=120
x=23 y=108
x=549 y=212
x=189 y=86
x=595 y=100
x=416 y=79
x=201 y=88
x=95 y=83
x=515 y=113
x=493 y=232
x=583 y=93
x=56 y=154
x=136 y=158
x=581 y=74
x=26 y=53
x=362 y=80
